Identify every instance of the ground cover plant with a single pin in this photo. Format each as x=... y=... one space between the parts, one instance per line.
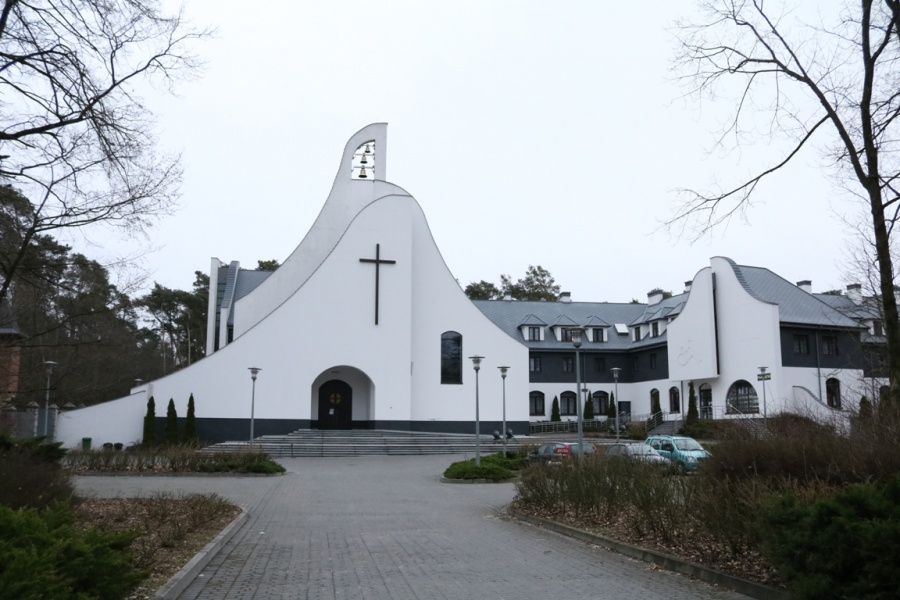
x=804 y=507
x=55 y=545
x=494 y=467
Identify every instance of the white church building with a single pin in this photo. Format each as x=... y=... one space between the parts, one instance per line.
x=364 y=326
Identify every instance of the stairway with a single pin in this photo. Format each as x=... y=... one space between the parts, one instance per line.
x=358 y=442
x=667 y=428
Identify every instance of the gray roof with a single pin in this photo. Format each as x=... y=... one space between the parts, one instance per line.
x=249 y=280
x=509 y=315
x=794 y=305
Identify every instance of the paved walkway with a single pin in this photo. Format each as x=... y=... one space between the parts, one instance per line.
x=386 y=528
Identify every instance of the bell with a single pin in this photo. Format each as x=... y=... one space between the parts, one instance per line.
x=363 y=160
x=362 y=173
x=368 y=149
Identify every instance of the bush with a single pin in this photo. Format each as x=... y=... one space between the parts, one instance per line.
x=843 y=546
x=150 y=423
x=171 y=423
x=513 y=461
x=31 y=475
x=43 y=555
x=489 y=469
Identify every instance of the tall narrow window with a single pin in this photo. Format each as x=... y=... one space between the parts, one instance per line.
x=598 y=335
x=534 y=364
x=601 y=403
x=534 y=334
x=833 y=392
x=568 y=364
x=451 y=357
x=829 y=345
x=653 y=361
x=801 y=344
x=567 y=404
x=536 y=404
x=654 y=329
x=674 y=400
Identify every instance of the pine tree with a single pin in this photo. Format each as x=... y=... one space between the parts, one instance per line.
x=554 y=411
x=611 y=409
x=171 y=423
x=692 y=414
x=865 y=409
x=150 y=423
x=588 y=409
x=190 y=423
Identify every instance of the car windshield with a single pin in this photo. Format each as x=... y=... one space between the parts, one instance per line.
x=687 y=444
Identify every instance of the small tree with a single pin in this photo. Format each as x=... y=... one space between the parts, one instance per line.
x=588 y=409
x=150 y=423
x=865 y=409
x=611 y=409
x=190 y=423
x=692 y=414
x=171 y=423
x=554 y=411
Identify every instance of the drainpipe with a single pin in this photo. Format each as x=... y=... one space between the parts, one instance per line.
x=818 y=368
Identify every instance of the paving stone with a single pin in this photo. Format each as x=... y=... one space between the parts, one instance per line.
x=386 y=528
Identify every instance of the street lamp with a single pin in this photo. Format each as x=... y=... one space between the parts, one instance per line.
x=254 y=371
x=503 y=371
x=49 y=364
x=476 y=363
x=763 y=376
x=615 y=372
x=576 y=341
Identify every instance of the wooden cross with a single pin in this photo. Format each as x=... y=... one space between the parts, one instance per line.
x=378 y=262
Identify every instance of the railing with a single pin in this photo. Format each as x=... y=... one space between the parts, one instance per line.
x=601 y=424
x=655 y=420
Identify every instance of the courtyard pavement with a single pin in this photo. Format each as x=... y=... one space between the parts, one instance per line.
x=380 y=527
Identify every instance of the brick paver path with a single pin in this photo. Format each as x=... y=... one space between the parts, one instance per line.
x=386 y=528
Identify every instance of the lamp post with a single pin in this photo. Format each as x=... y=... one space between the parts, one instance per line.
x=476 y=363
x=763 y=377
x=615 y=372
x=254 y=371
x=576 y=341
x=503 y=371
x=49 y=364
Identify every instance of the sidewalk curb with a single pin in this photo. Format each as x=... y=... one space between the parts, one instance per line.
x=666 y=561
x=183 y=578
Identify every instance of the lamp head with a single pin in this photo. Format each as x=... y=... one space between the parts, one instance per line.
x=615 y=372
x=503 y=371
x=576 y=336
x=476 y=361
x=253 y=372
x=49 y=364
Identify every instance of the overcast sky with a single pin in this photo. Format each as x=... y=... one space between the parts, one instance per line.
x=545 y=133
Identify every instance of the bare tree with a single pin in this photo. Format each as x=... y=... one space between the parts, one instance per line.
x=75 y=136
x=835 y=82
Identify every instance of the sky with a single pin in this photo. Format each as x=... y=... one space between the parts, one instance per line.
x=531 y=133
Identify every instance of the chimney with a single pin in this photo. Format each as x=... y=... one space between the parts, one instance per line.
x=507 y=296
x=687 y=286
x=805 y=285
x=654 y=296
x=565 y=297
x=854 y=292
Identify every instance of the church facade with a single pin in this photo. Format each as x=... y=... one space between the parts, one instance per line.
x=364 y=326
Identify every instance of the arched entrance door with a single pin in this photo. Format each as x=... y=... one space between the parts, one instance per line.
x=335 y=405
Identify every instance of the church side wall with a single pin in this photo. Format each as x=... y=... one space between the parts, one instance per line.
x=692 y=335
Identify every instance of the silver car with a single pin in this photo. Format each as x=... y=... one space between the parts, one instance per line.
x=637 y=451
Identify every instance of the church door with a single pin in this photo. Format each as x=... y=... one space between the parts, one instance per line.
x=335 y=405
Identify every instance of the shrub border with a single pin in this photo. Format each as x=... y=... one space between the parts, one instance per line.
x=666 y=561
x=182 y=579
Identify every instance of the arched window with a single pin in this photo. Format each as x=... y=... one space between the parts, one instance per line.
x=451 y=357
x=601 y=403
x=536 y=404
x=833 y=392
x=654 y=401
x=567 y=404
x=742 y=398
x=704 y=393
x=674 y=400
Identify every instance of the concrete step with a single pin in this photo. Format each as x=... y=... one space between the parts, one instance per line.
x=364 y=442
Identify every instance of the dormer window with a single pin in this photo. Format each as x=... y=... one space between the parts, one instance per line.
x=534 y=334
x=599 y=335
x=637 y=334
x=566 y=335
x=654 y=329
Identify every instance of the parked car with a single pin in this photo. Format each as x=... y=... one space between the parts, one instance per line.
x=684 y=453
x=556 y=452
x=636 y=451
